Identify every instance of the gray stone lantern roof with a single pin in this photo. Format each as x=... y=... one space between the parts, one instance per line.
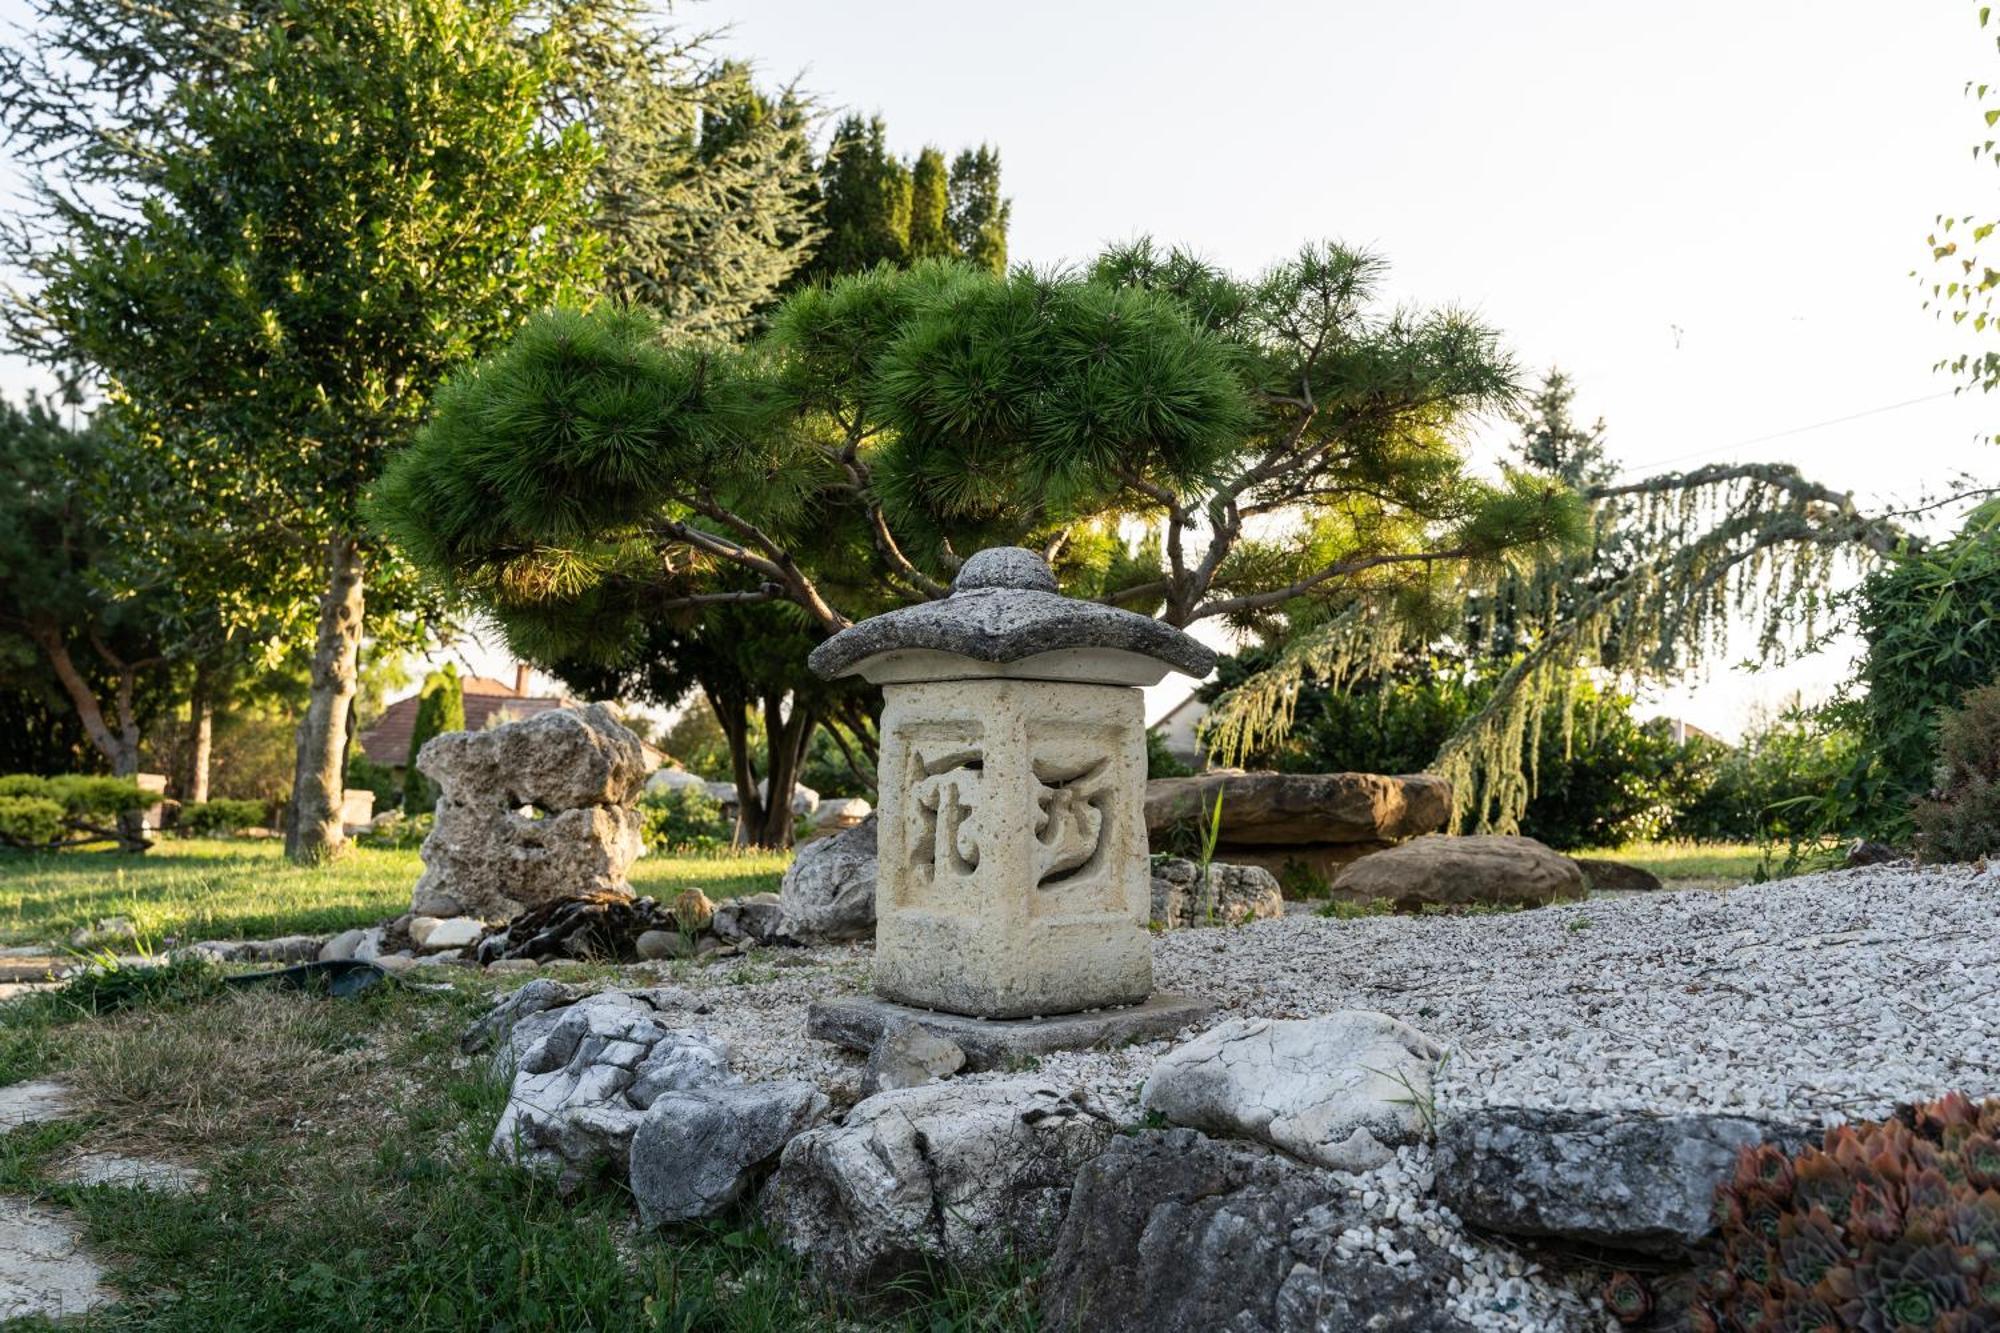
x=1004 y=612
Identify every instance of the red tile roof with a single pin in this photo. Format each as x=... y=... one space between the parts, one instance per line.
x=488 y=703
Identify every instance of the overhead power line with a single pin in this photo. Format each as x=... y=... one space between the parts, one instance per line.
x=1659 y=463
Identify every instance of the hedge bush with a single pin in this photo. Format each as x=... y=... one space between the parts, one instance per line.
x=40 y=813
x=207 y=819
x=683 y=819
x=1960 y=819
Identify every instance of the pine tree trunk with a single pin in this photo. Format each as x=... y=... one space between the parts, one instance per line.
x=312 y=820
x=201 y=738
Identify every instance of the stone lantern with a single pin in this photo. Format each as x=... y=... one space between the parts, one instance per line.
x=1012 y=879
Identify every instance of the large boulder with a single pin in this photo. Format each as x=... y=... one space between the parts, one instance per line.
x=585 y=1075
x=530 y=812
x=1625 y=1180
x=1604 y=876
x=1228 y=896
x=1342 y=1091
x=964 y=1173
x=1301 y=809
x=1486 y=871
x=696 y=1152
x=829 y=890
x=1169 y=1232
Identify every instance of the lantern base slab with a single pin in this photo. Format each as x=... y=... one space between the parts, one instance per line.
x=859 y=1021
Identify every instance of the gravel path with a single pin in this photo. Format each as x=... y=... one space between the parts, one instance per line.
x=1814 y=999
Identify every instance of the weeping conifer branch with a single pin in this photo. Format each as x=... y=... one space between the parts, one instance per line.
x=1672 y=561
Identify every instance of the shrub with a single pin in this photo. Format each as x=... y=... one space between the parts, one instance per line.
x=49 y=812
x=1885 y=1226
x=1772 y=787
x=207 y=819
x=1931 y=619
x=1960 y=819
x=682 y=819
x=403 y=833
x=364 y=774
x=1160 y=762
x=30 y=821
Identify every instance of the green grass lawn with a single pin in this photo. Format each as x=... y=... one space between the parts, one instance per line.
x=195 y=889
x=1693 y=864
x=349 y=1187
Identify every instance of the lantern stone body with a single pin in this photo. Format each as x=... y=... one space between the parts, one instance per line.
x=1012 y=877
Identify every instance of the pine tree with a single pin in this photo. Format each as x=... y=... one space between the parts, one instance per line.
x=929 y=195
x=440 y=708
x=978 y=215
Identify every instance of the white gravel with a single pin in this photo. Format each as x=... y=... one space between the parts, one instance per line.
x=1810 y=1000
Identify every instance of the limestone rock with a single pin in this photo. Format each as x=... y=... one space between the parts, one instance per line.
x=1341 y=1091
x=1459 y=872
x=1232 y=895
x=458 y=932
x=841 y=812
x=1170 y=1232
x=964 y=1173
x=1616 y=876
x=697 y=1152
x=1625 y=1180
x=343 y=946
x=657 y=945
x=529 y=812
x=829 y=889
x=909 y=1056
x=44 y=1268
x=758 y=918
x=284 y=949
x=691 y=910
x=582 y=1083
x=1301 y=809
x=34 y=1102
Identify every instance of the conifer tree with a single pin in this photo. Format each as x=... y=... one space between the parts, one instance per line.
x=978 y=215
x=929 y=191
x=440 y=708
x=864 y=201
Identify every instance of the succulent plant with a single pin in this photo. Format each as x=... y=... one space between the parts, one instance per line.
x=1891 y=1227
x=1627 y=1297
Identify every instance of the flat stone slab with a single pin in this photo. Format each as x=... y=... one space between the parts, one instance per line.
x=110 y=1168
x=33 y=1102
x=44 y=1269
x=858 y=1022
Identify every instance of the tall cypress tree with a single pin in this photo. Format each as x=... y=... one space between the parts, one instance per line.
x=978 y=215
x=440 y=708
x=929 y=197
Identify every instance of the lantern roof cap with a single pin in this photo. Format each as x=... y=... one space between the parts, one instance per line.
x=1004 y=608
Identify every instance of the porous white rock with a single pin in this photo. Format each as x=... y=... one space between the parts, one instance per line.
x=965 y=1173
x=1342 y=1090
x=528 y=812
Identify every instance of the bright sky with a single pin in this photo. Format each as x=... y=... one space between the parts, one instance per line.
x=1706 y=211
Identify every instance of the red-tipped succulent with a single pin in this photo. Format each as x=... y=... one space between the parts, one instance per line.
x=1883 y=1228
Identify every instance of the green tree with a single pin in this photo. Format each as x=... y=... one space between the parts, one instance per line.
x=930 y=238
x=893 y=421
x=1966 y=279
x=106 y=654
x=864 y=201
x=440 y=708
x=328 y=214
x=978 y=215
x=704 y=189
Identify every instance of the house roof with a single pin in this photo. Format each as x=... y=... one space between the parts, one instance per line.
x=488 y=703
